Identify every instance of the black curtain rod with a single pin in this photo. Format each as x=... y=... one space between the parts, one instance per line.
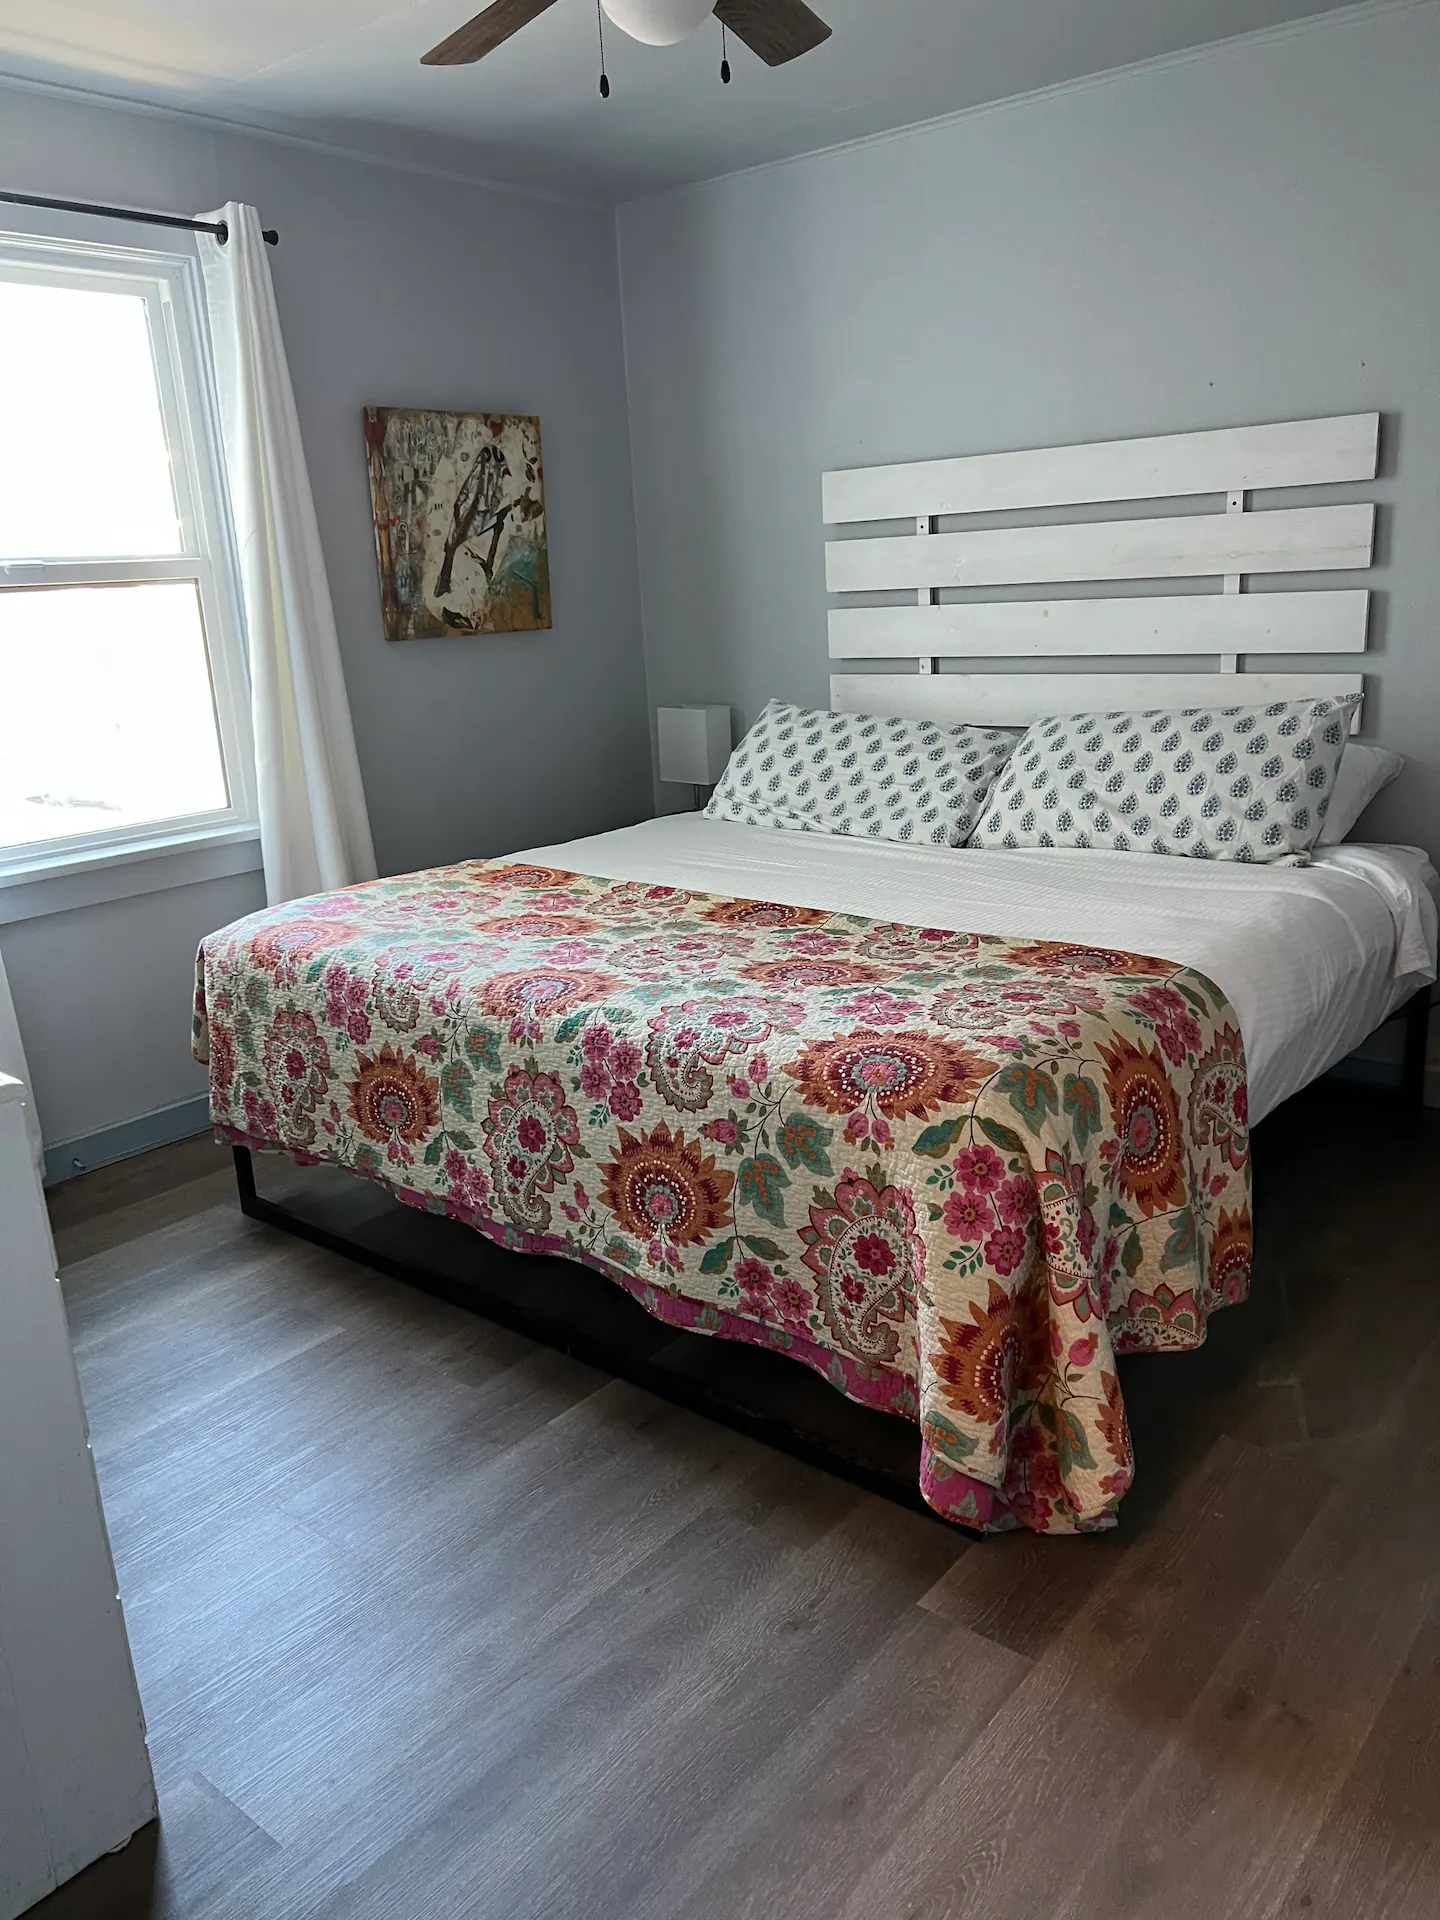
x=218 y=227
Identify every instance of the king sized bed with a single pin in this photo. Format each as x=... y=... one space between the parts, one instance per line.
x=929 y=1057
x=955 y=1129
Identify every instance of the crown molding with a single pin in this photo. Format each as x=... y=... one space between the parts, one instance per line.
x=307 y=143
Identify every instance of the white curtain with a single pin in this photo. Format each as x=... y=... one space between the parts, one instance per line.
x=314 y=831
x=12 y=1061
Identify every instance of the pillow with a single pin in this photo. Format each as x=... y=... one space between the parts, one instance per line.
x=852 y=773
x=1364 y=772
x=1226 y=783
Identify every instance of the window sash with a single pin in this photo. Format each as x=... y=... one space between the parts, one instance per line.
x=169 y=285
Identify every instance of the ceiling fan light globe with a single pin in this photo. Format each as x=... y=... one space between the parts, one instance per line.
x=659 y=23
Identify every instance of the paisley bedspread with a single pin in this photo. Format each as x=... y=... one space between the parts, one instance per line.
x=957 y=1175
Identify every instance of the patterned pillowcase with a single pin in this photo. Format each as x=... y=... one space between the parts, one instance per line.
x=1234 y=783
x=850 y=773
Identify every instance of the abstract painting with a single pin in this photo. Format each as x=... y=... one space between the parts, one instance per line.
x=459 y=503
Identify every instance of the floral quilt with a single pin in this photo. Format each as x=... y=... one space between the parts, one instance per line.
x=957 y=1175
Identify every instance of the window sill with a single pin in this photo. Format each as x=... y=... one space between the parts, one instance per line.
x=120 y=873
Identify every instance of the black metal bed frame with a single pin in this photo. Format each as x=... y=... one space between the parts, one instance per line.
x=606 y=1356
x=613 y=1358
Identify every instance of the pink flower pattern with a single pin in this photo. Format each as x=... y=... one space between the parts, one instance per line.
x=957 y=1174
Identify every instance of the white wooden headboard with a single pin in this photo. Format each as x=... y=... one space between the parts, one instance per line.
x=1216 y=553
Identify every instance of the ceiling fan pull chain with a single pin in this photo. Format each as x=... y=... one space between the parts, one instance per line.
x=604 y=76
x=724 y=55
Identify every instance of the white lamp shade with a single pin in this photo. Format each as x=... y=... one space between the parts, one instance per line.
x=659 y=23
x=694 y=744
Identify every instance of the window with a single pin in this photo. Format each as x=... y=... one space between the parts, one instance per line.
x=124 y=722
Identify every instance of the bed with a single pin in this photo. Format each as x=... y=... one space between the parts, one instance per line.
x=955 y=1129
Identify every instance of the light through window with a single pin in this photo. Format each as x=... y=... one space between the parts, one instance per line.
x=87 y=467
x=121 y=679
x=111 y=708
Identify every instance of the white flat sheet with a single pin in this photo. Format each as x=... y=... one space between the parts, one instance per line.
x=1312 y=959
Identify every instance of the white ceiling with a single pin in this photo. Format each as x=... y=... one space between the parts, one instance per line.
x=349 y=71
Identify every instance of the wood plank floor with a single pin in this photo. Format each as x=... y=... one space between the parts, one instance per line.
x=432 y=1624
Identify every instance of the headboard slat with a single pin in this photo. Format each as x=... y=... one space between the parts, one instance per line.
x=1298 y=540
x=1020 y=699
x=1194 y=623
x=1297 y=453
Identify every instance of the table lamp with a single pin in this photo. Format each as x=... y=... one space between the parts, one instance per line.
x=694 y=745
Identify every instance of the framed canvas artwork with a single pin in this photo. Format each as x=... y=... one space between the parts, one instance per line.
x=459 y=503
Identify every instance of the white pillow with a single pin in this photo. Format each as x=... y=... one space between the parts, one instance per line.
x=1364 y=772
x=1231 y=783
x=858 y=774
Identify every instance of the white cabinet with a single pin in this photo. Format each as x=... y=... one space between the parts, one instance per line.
x=75 y=1777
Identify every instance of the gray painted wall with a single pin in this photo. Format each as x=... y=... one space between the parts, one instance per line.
x=1249 y=234
x=404 y=290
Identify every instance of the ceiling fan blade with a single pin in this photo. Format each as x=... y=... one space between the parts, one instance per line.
x=485 y=32
x=778 y=30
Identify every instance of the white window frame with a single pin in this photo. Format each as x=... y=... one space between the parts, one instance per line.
x=169 y=284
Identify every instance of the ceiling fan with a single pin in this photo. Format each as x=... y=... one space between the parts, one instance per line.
x=777 y=30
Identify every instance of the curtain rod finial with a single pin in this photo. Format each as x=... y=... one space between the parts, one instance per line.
x=271 y=235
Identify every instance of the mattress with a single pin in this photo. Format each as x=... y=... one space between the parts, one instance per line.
x=1312 y=959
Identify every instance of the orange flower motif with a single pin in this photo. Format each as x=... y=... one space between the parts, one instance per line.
x=284 y=947
x=1114 y=1427
x=393 y=1099
x=533 y=994
x=531 y=879
x=1050 y=956
x=904 y=1074
x=222 y=1062
x=977 y=1362
x=1146 y=1118
x=762 y=913
x=1232 y=1252
x=800 y=973
x=660 y=1185
x=540 y=926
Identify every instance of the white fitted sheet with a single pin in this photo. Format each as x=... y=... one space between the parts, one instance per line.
x=1312 y=959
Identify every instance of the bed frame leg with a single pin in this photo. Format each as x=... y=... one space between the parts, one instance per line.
x=1417 y=1050
x=245 y=1181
